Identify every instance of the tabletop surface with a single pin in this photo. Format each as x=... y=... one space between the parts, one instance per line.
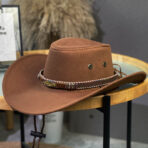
x=18 y=145
x=125 y=93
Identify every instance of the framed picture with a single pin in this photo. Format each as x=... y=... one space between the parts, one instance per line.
x=10 y=35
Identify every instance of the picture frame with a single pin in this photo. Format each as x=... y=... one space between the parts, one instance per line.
x=15 y=10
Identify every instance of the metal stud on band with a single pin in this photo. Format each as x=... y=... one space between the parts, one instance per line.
x=104 y=64
x=76 y=85
x=90 y=66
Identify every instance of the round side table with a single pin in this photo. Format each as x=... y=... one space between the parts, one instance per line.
x=103 y=103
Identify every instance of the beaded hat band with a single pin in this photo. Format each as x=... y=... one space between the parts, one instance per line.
x=76 y=85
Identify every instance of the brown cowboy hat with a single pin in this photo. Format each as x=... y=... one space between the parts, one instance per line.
x=74 y=70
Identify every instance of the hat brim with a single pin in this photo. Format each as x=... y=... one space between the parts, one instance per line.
x=25 y=93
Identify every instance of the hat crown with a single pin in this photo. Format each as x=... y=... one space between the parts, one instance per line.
x=75 y=59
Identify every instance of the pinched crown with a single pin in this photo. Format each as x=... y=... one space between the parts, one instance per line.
x=75 y=59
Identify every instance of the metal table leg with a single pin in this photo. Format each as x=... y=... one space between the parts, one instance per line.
x=129 y=123
x=106 y=128
x=22 y=131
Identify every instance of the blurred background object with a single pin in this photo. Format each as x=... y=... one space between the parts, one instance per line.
x=53 y=127
x=44 y=21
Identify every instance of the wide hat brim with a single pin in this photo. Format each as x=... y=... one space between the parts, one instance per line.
x=25 y=93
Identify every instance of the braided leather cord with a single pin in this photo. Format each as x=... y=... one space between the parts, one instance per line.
x=77 y=85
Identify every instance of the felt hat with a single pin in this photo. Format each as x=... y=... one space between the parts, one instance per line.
x=74 y=70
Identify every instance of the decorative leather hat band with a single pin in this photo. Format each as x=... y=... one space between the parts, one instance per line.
x=76 y=85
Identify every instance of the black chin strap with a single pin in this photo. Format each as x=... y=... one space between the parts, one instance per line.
x=37 y=134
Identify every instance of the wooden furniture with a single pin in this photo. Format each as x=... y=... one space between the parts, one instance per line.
x=103 y=102
x=8 y=114
x=18 y=145
x=9 y=120
x=117 y=97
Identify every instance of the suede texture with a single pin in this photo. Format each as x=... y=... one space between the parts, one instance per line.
x=67 y=60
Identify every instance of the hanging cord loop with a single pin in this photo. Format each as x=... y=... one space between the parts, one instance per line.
x=119 y=71
x=37 y=134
